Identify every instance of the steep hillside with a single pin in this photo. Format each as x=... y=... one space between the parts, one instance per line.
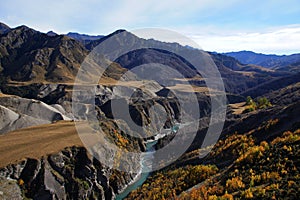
x=272 y=85
x=239 y=78
x=268 y=170
x=293 y=67
x=33 y=57
x=286 y=95
x=28 y=55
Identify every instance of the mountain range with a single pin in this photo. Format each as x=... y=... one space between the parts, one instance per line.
x=43 y=157
x=266 y=60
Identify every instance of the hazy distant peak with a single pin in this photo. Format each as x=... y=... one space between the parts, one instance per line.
x=265 y=60
x=83 y=37
x=51 y=34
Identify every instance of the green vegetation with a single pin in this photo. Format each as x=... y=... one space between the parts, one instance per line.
x=83 y=183
x=261 y=103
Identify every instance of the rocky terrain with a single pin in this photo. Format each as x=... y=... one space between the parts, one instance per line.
x=43 y=157
x=19 y=113
x=69 y=174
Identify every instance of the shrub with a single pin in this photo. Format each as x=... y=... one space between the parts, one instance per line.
x=263 y=102
x=234 y=184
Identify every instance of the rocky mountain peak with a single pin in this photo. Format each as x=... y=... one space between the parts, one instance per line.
x=4 y=28
x=51 y=33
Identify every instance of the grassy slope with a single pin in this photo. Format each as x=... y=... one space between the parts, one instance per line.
x=38 y=141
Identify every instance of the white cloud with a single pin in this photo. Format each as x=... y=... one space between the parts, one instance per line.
x=277 y=40
x=191 y=17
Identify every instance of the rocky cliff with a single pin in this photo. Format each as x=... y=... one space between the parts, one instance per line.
x=69 y=174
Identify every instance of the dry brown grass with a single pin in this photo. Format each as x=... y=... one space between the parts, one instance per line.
x=6 y=95
x=38 y=141
x=195 y=78
x=189 y=88
x=106 y=81
x=238 y=108
x=250 y=74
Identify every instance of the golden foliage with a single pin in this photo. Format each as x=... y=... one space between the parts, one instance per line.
x=234 y=184
x=269 y=170
x=168 y=184
x=20 y=182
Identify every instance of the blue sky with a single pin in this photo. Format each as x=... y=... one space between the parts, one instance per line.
x=270 y=26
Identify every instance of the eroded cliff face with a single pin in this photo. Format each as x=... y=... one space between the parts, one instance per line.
x=73 y=173
x=69 y=174
x=17 y=113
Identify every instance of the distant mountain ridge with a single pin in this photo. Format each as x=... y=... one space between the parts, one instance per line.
x=84 y=38
x=265 y=60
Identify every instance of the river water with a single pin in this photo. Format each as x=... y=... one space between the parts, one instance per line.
x=146 y=162
x=142 y=177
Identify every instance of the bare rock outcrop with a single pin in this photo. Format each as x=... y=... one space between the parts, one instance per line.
x=16 y=113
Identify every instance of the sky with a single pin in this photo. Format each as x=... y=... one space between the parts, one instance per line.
x=269 y=26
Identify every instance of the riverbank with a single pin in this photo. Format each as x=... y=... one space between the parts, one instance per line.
x=141 y=177
x=146 y=161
